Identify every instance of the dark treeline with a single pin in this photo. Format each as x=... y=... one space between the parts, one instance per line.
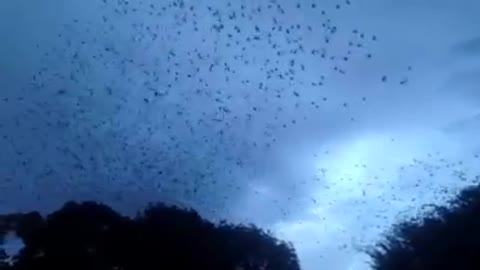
x=446 y=238
x=90 y=235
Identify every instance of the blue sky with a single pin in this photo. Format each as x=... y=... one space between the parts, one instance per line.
x=340 y=171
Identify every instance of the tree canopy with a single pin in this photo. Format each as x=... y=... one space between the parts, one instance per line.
x=90 y=235
x=446 y=238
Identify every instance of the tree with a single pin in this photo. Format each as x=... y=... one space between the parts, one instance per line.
x=90 y=235
x=446 y=238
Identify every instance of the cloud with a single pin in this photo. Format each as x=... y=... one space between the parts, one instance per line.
x=470 y=47
x=369 y=183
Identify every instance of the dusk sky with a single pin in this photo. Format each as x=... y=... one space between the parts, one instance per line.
x=323 y=121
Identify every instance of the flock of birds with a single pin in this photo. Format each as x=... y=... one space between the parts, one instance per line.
x=182 y=101
x=176 y=97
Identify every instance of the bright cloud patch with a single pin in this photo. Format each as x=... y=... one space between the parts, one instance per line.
x=363 y=185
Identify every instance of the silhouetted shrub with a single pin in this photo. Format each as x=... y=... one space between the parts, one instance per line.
x=92 y=236
x=447 y=238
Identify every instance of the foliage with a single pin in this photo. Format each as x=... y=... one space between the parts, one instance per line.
x=446 y=238
x=90 y=235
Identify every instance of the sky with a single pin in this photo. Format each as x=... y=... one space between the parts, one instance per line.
x=323 y=121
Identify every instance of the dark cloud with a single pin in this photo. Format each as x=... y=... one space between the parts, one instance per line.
x=468 y=47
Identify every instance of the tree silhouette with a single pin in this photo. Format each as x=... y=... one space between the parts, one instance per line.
x=446 y=238
x=90 y=235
